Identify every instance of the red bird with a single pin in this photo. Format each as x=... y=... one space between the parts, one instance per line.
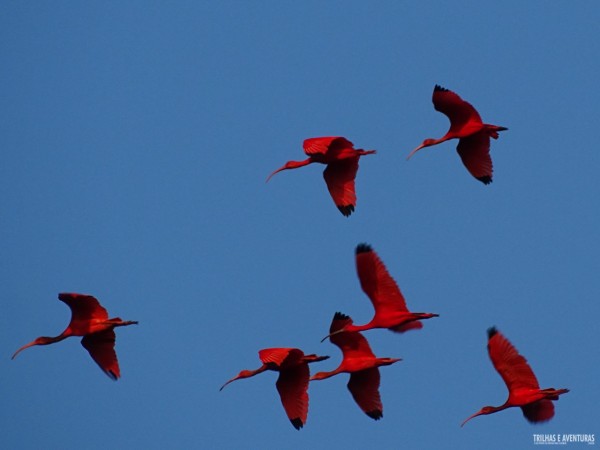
x=467 y=126
x=292 y=384
x=362 y=365
x=342 y=164
x=90 y=320
x=390 y=307
x=523 y=388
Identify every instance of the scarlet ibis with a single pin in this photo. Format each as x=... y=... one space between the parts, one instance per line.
x=90 y=320
x=362 y=365
x=292 y=383
x=342 y=164
x=466 y=126
x=390 y=307
x=523 y=388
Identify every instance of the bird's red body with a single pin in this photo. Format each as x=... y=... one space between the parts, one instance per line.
x=391 y=311
x=467 y=126
x=341 y=158
x=292 y=384
x=362 y=365
x=90 y=320
x=523 y=388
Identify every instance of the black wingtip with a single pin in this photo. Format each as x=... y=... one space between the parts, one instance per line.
x=297 y=423
x=439 y=88
x=492 y=331
x=340 y=316
x=113 y=376
x=485 y=180
x=363 y=248
x=346 y=210
x=376 y=414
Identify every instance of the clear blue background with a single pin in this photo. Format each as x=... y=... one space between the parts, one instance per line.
x=136 y=138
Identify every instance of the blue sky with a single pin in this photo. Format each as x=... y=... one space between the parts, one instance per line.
x=136 y=140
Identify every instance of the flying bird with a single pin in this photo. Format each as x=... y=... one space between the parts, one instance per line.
x=362 y=365
x=292 y=383
x=390 y=307
x=90 y=320
x=466 y=126
x=341 y=158
x=523 y=388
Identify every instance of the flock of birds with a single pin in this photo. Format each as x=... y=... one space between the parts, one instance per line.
x=90 y=320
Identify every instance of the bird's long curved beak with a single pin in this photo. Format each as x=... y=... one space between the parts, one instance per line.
x=331 y=334
x=233 y=379
x=278 y=170
x=414 y=151
x=478 y=413
x=23 y=348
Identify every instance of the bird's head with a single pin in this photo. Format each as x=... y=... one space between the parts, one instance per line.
x=483 y=411
x=425 y=143
x=290 y=165
x=340 y=323
x=242 y=374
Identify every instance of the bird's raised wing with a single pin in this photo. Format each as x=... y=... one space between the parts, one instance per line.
x=376 y=281
x=511 y=366
x=455 y=108
x=292 y=386
x=540 y=411
x=474 y=152
x=364 y=386
x=280 y=356
x=101 y=347
x=83 y=307
x=323 y=145
x=339 y=177
x=352 y=343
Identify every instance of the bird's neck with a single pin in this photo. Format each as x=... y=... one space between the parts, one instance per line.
x=324 y=375
x=495 y=409
x=251 y=373
x=357 y=328
x=296 y=164
x=449 y=135
x=46 y=340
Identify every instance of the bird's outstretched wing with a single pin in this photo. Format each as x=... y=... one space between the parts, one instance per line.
x=511 y=366
x=101 y=347
x=455 y=108
x=474 y=152
x=339 y=177
x=364 y=386
x=376 y=281
x=292 y=386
